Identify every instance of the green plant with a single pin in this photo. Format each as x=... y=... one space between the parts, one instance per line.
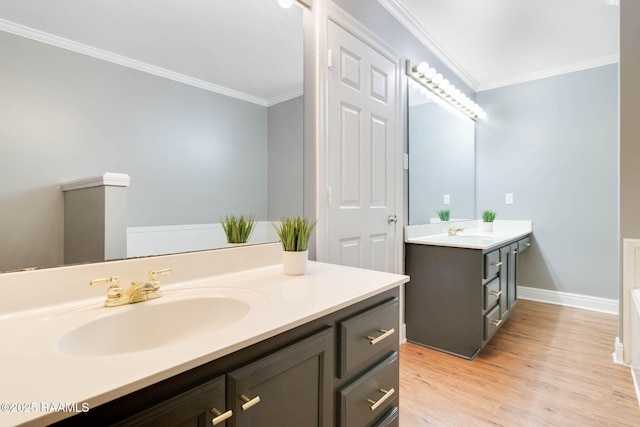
x=294 y=233
x=238 y=228
x=488 y=216
x=444 y=215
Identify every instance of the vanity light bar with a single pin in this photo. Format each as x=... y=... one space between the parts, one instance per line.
x=429 y=78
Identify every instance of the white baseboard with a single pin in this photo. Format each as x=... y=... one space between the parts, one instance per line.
x=603 y=305
x=635 y=374
x=618 y=353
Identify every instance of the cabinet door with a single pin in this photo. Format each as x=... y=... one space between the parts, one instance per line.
x=195 y=408
x=289 y=388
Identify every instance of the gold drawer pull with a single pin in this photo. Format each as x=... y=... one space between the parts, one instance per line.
x=248 y=403
x=387 y=394
x=527 y=244
x=220 y=417
x=497 y=263
x=512 y=252
x=496 y=293
x=497 y=323
x=384 y=335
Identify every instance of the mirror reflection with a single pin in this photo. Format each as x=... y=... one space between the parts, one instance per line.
x=199 y=105
x=441 y=161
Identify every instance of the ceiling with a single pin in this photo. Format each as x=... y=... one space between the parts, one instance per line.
x=494 y=43
x=488 y=43
x=251 y=49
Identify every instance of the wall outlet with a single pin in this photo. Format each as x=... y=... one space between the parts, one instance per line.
x=446 y=199
x=405 y=158
x=508 y=198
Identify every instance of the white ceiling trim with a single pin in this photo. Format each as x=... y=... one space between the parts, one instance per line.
x=41 y=36
x=284 y=97
x=410 y=23
x=552 y=72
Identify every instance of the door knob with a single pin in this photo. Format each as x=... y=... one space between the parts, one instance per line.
x=392 y=219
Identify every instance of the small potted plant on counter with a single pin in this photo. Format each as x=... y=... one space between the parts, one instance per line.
x=294 y=234
x=487 y=220
x=238 y=229
x=444 y=215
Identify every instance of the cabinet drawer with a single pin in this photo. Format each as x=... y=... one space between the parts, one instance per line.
x=492 y=322
x=367 y=337
x=491 y=264
x=368 y=399
x=491 y=293
x=524 y=244
x=390 y=419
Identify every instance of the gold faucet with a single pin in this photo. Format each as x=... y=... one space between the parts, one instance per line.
x=138 y=292
x=453 y=231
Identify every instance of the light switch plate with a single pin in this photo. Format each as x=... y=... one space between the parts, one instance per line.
x=508 y=198
x=446 y=199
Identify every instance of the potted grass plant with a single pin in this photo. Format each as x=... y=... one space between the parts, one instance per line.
x=294 y=233
x=444 y=215
x=487 y=220
x=238 y=228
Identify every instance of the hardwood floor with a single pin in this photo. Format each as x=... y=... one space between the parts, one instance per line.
x=547 y=366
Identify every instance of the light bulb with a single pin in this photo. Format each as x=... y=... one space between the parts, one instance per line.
x=437 y=78
x=285 y=4
x=430 y=73
x=449 y=89
x=422 y=67
x=444 y=84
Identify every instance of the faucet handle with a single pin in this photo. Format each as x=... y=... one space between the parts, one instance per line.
x=114 y=291
x=153 y=274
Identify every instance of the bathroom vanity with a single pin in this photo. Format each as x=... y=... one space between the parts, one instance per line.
x=318 y=349
x=463 y=286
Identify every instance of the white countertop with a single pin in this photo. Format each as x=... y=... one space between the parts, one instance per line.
x=33 y=369
x=472 y=237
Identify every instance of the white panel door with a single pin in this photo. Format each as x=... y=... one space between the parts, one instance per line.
x=361 y=168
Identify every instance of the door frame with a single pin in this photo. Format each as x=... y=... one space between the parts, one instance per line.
x=328 y=11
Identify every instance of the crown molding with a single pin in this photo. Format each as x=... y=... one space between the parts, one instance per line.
x=284 y=97
x=551 y=72
x=41 y=36
x=414 y=27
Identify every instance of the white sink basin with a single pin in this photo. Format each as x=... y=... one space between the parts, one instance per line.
x=179 y=316
x=143 y=327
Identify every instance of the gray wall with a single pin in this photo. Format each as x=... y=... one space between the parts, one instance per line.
x=192 y=155
x=553 y=144
x=285 y=166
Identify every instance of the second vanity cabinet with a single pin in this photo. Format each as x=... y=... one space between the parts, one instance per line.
x=339 y=370
x=459 y=297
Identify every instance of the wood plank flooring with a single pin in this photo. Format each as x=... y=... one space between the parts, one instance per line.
x=547 y=366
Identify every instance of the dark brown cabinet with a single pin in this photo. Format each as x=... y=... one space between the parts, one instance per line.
x=368 y=368
x=458 y=298
x=327 y=372
x=202 y=406
x=290 y=387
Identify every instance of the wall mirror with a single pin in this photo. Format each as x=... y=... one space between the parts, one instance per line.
x=441 y=161
x=200 y=103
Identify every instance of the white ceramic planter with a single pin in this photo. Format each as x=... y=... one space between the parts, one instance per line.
x=294 y=263
x=487 y=226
